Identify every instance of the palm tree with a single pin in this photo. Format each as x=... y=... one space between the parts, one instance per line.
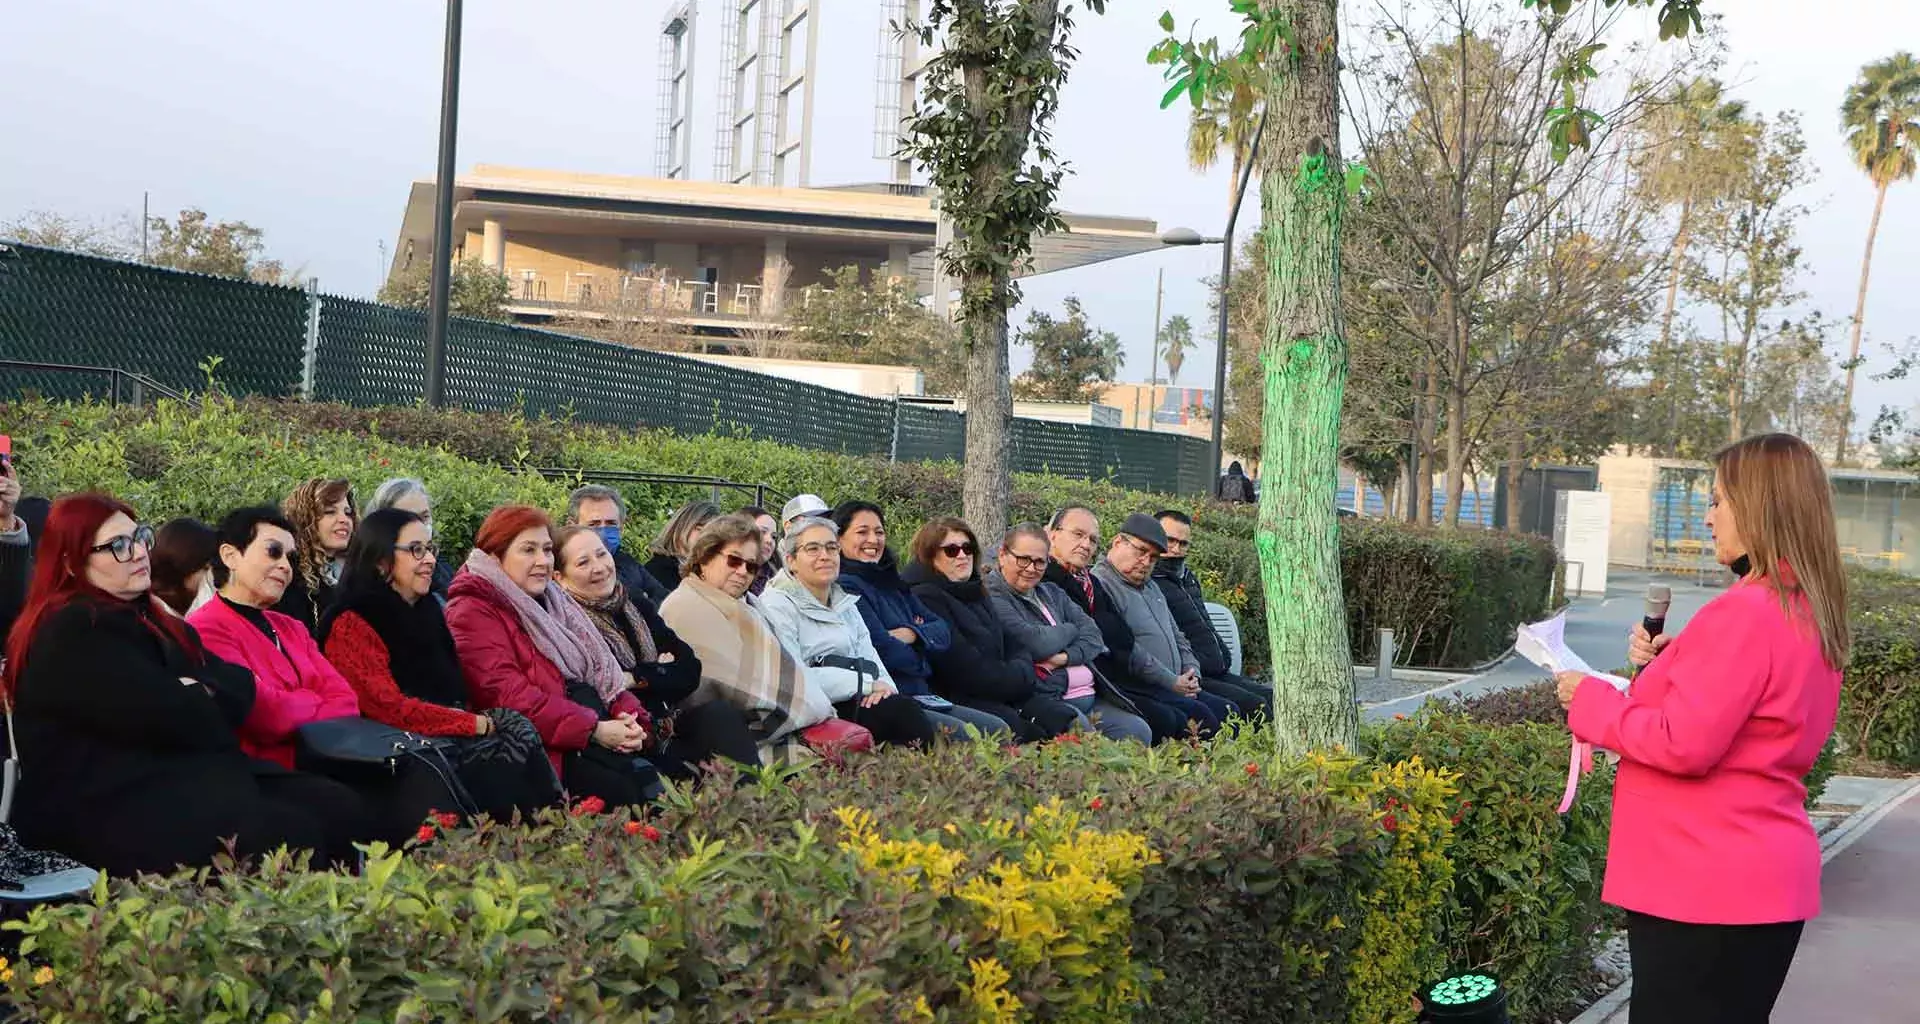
x=1224 y=122
x=1695 y=139
x=1175 y=339
x=1882 y=117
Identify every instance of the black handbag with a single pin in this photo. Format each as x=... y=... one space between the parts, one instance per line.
x=358 y=750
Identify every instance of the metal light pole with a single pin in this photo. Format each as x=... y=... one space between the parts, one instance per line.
x=443 y=215
x=1188 y=236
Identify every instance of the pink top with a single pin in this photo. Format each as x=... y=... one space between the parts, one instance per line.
x=1079 y=677
x=293 y=683
x=1715 y=737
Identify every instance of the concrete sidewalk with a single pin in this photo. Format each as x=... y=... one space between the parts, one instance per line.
x=1859 y=962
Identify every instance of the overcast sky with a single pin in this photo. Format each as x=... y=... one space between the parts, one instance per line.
x=310 y=120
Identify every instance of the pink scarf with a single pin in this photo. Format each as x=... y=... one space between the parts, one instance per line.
x=561 y=632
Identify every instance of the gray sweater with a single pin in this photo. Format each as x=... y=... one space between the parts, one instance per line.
x=1160 y=651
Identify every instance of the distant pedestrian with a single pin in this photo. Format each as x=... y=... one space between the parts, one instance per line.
x=1235 y=486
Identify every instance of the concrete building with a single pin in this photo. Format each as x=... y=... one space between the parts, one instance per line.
x=713 y=258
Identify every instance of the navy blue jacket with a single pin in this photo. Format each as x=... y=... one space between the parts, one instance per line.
x=887 y=603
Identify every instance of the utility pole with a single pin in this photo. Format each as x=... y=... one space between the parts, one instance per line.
x=1153 y=360
x=145 y=218
x=443 y=216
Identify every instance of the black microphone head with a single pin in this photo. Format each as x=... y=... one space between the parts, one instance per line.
x=1659 y=598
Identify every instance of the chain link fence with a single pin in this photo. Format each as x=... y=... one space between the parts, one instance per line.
x=61 y=307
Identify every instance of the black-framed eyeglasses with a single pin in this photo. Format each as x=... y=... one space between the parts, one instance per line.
x=122 y=546
x=1142 y=548
x=1029 y=562
x=419 y=550
x=956 y=550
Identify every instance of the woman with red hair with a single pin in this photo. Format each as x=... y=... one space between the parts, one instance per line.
x=524 y=644
x=126 y=726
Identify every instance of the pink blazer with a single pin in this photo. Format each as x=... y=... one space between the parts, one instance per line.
x=1709 y=820
x=292 y=686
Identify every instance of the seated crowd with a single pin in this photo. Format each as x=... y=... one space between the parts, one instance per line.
x=180 y=689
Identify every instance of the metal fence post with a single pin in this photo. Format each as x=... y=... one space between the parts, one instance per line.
x=310 y=351
x=893 y=443
x=1383 y=670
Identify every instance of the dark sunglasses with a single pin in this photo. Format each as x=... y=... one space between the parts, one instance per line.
x=122 y=546
x=736 y=562
x=418 y=550
x=956 y=550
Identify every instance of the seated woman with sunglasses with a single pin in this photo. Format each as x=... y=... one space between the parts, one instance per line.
x=126 y=724
x=524 y=644
x=983 y=668
x=817 y=619
x=742 y=661
x=905 y=632
x=294 y=684
x=388 y=636
x=663 y=669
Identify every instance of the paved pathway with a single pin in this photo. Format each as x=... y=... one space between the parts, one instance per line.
x=1596 y=630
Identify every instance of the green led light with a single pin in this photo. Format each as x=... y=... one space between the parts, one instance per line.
x=1462 y=990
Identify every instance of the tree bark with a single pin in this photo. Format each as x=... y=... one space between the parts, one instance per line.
x=987 y=479
x=1680 y=241
x=1304 y=364
x=1859 y=324
x=1457 y=340
x=1516 y=473
x=1423 y=480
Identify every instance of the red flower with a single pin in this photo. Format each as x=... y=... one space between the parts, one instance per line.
x=1455 y=819
x=1390 y=823
x=650 y=834
x=1095 y=804
x=1398 y=717
x=1067 y=737
x=1252 y=769
x=591 y=805
x=425 y=835
x=632 y=827
x=447 y=819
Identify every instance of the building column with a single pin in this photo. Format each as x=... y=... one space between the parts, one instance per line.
x=493 y=245
x=774 y=273
x=898 y=267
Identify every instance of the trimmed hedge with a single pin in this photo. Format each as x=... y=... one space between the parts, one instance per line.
x=1880 y=701
x=1453 y=597
x=1074 y=881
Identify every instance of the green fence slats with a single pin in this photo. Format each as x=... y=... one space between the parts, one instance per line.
x=60 y=307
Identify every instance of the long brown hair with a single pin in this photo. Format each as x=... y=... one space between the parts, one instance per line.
x=1783 y=507
x=926 y=543
x=303 y=508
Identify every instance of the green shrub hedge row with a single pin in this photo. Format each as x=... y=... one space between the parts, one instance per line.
x=1074 y=881
x=1453 y=597
x=1880 y=702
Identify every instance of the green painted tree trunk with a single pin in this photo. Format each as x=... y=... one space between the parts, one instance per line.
x=1304 y=367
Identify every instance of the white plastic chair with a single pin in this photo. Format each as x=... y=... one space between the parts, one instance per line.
x=1228 y=628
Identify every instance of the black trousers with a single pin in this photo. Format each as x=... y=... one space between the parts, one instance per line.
x=896 y=720
x=1707 y=973
x=701 y=734
x=1249 y=699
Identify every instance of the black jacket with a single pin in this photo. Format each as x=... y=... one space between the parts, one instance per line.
x=1189 y=606
x=16 y=572
x=660 y=686
x=641 y=583
x=981 y=661
x=1113 y=630
x=664 y=570
x=118 y=756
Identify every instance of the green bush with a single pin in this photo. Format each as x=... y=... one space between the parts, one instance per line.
x=1453 y=597
x=1525 y=903
x=1086 y=881
x=1880 y=699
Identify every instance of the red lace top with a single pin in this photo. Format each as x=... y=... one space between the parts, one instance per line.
x=358 y=652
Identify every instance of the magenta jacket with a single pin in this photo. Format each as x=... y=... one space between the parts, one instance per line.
x=1709 y=817
x=293 y=685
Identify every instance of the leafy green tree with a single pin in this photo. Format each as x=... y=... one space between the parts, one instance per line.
x=1070 y=356
x=846 y=320
x=1882 y=117
x=477 y=290
x=198 y=244
x=984 y=132
x=44 y=228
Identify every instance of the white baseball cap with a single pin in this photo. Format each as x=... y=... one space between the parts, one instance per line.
x=803 y=505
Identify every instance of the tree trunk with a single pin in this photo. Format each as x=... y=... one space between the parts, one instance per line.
x=1423 y=479
x=1859 y=324
x=987 y=478
x=1665 y=351
x=1516 y=473
x=1457 y=333
x=1304 y=364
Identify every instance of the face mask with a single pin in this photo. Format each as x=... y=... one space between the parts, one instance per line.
x=610 y=536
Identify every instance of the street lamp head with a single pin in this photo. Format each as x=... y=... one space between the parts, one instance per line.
x=1182 y=236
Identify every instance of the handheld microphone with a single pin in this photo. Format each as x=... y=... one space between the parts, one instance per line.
x=1659 y=598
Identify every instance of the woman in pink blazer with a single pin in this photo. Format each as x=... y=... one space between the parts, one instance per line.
x=1712 y=854
x=294 y=684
